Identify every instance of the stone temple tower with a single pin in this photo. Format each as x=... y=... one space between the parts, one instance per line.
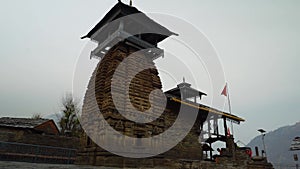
x=124 y=31
x=125 y=93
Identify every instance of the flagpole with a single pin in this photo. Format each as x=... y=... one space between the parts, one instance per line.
x=229 y=105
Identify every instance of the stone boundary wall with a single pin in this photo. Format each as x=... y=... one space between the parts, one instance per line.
x=11 y=151
x=27 y=137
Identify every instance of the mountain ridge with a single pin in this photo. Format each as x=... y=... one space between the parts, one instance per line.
x=278 y=144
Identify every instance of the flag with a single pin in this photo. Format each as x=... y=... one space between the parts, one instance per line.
x=228 y=132
x=224 y=92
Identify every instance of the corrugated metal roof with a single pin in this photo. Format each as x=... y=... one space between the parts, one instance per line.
x=295 y=144
x=209 y=109
x=21 y=122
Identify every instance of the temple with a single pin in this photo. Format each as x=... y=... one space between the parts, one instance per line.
x=123 y=31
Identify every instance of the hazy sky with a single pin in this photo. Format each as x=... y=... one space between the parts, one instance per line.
x=257 y=42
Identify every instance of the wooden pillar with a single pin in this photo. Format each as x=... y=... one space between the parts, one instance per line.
x=210 y=151
x=225 y=126
x=209 y=127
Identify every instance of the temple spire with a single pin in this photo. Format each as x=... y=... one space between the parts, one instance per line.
x=130 y=3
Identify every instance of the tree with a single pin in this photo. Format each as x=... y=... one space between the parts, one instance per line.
x=36 y=116
x=69 y=121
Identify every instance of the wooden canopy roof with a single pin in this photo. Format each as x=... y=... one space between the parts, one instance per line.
x=141 y=22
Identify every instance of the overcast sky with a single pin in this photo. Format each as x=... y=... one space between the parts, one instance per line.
x=257 y=43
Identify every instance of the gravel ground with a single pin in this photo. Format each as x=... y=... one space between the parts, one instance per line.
x=23 y=165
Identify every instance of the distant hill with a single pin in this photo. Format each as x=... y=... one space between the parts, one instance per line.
x=278 y=143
